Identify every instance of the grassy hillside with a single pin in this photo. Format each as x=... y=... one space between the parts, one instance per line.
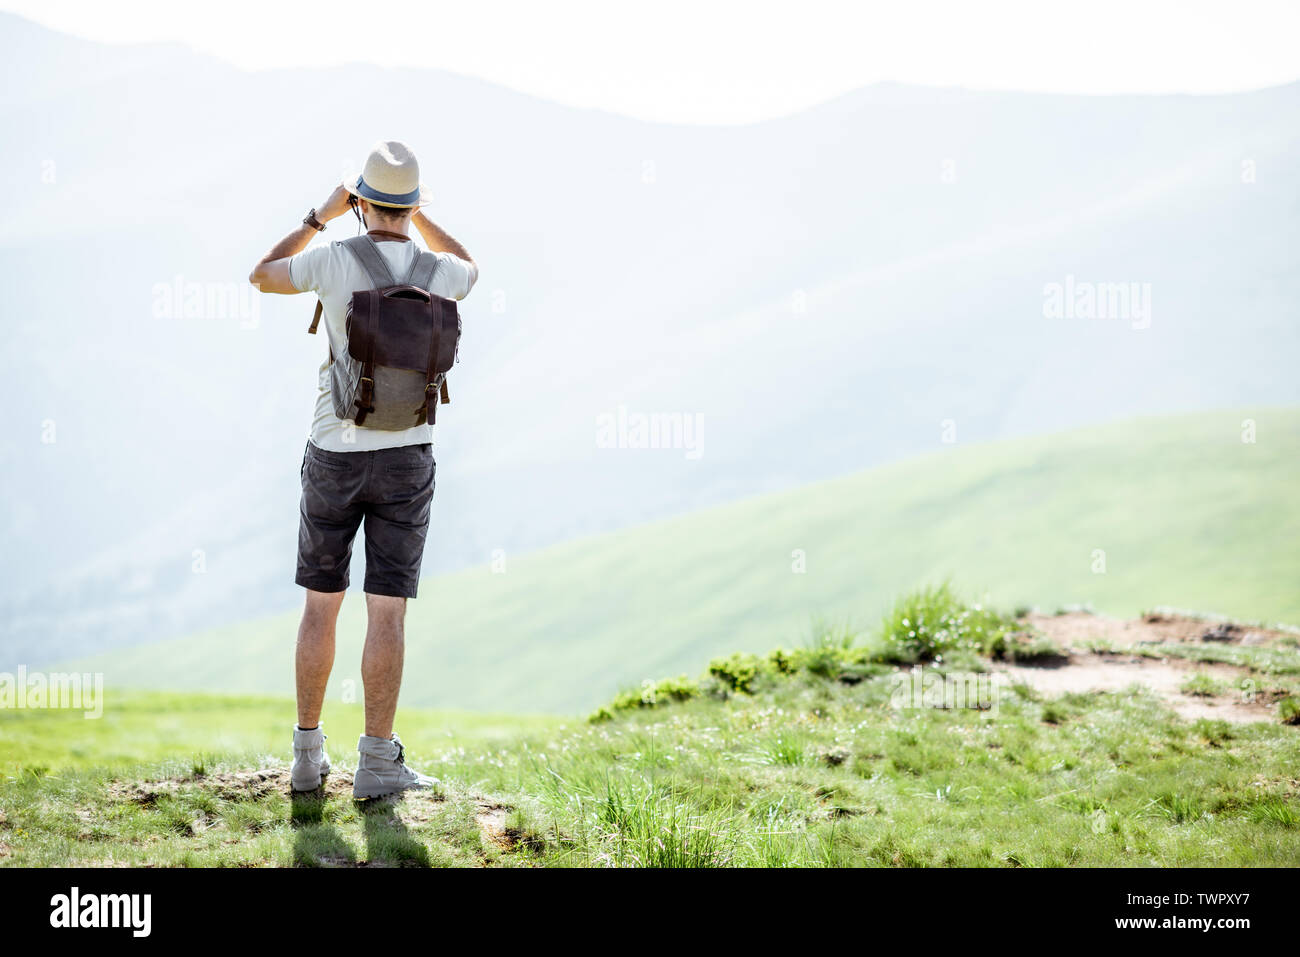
x=1187 y=514
x=811 y=759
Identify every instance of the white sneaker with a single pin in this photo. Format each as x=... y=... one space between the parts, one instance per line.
x=310 y=762
x=381 y=769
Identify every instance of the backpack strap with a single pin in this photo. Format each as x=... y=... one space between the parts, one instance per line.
x=422 y=269
x=428 y=411
x=315 y=321
x=371 y=260
x=376 y=267
x=380 y=276
x=420 y=276
x=363 y=402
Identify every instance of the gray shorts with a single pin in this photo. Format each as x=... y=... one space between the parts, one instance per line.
x=390 y=489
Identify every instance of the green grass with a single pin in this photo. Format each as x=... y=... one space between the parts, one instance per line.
x=1187 y=515
x=150 y=726
x=933 y=622
x=932 y=625
x=1266 y=660
x=811 y=757
x=807 y=771
x=1203 y=685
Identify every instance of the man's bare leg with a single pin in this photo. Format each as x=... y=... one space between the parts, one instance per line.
x=314 y=657
x=381 y=662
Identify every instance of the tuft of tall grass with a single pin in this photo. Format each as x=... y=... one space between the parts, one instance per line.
x=636 y=828
x=927 y=623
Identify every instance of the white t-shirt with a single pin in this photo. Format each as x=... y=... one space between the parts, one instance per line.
x=333 y=273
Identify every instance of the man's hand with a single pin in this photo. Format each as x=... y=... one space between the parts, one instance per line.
x=335 y=206
x=271 y=274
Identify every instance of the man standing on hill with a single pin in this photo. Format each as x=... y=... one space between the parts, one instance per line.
x=351 y=473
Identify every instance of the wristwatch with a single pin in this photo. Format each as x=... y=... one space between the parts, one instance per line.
x=312 y=221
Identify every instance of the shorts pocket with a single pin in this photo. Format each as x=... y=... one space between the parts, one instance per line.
x=320 y=461
x=416 y=469
x=420 y=464
x=408 y=481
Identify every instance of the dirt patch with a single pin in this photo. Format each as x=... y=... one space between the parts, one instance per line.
x=835 y=756
x=1099 y=655
x=1091 y=672
x=492 y=822
x=246 y=785
x=229 y=786
x=1077 y=628
x=339 y=860
x=146 y=794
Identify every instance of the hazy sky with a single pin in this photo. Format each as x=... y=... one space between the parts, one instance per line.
x=733 y=62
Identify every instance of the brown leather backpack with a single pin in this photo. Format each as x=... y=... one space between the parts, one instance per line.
x=401 y=341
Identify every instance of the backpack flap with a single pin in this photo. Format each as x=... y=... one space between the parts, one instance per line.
x=408 y=321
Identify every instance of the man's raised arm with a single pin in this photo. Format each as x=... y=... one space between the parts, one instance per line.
x=440 y=241
x=271 y=274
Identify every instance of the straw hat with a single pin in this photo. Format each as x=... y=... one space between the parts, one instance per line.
x=391 y=177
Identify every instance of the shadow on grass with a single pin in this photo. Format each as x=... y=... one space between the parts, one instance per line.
x=387 y=837
x=317 y=842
